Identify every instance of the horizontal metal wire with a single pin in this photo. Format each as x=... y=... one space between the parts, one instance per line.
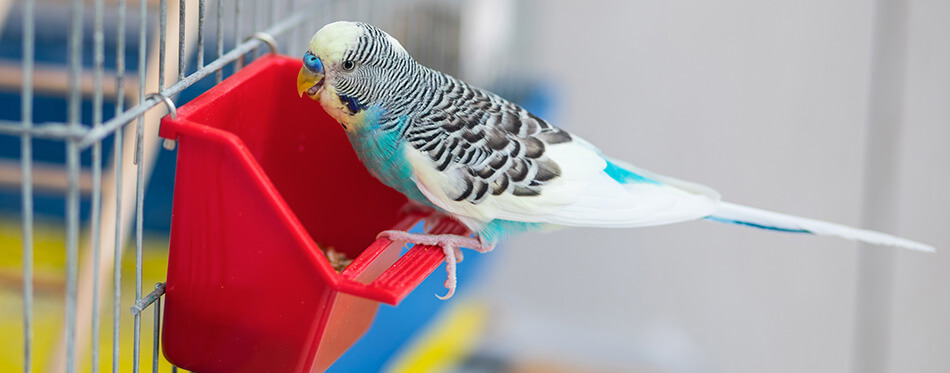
x=46 y=130
x=149 y=298
x=236 y=53
x=86 y=135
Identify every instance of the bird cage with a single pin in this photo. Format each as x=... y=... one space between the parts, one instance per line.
x=262 y=191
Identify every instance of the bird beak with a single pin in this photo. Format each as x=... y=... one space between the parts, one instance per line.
x=309 y=82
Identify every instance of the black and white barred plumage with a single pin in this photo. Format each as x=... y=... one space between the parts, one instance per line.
x=490 y=144
x=491 y=164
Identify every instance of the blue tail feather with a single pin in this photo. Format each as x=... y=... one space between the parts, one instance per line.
x=755 y=225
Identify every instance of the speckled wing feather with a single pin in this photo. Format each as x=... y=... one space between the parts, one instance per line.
x=484 y=158
x=491 y=145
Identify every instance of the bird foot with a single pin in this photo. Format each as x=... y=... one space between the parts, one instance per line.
x=451 y=245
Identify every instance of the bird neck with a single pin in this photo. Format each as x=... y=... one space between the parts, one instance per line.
x=382 y=152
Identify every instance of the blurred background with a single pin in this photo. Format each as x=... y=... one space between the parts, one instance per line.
x=829 y=110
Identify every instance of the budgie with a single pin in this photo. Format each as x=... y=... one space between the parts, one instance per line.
x=490 y=164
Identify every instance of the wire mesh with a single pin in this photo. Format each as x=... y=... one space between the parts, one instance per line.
x=117 y=195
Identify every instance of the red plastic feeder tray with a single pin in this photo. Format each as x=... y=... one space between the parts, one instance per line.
x=265 y=179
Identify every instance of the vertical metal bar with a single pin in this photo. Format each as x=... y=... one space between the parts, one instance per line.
x=440 y=18
x=360 y=14
x=140 y=171
x=303 y=28
x=72 y=250
x=72 y=194
x=117 y=254
x=139 y=130
x=99 y=66
x=356 y=11
x=272 y=12
x=875 y=267
x=201 y=33
x=117 y=155
x=156 y=332
x=295 y=32
x=315 y=21
x=137 y=320
x=162 y=30
x=237 y=32
x=276 y=11
x=267 y=17
x=258 y=14
x=75 y=62
x=26 y=167
x=139 y=201
x=219 y=75
x=181 y=39
x=120 y=62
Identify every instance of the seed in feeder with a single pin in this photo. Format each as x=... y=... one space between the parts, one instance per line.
x=337 y=259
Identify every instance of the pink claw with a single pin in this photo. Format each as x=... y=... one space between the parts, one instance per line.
x=451 y=245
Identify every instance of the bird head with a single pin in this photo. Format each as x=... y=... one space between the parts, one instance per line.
x=346 y=68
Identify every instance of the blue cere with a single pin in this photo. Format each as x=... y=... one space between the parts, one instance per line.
x=625 y=176
x=313 y=63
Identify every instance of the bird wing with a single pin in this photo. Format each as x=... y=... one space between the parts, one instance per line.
x=480 y=156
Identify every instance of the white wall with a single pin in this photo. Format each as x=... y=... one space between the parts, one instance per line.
x=921 y=333
x=767 y=102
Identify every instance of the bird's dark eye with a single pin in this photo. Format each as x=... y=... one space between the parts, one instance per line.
x=349 y=65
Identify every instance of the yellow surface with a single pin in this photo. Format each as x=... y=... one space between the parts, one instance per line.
x=446 y=342
x=49 y=300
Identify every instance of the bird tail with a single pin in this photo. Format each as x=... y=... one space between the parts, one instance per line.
x=743 y=215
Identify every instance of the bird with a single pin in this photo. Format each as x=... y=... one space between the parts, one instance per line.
x=493 y=166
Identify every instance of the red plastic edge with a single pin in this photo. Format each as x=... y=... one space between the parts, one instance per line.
x=396 y=282
x=400 y=279
x=173 y=128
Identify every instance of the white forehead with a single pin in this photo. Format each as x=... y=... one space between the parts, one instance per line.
x=334 y=39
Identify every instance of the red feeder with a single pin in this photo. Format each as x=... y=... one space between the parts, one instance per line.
x=264 y=180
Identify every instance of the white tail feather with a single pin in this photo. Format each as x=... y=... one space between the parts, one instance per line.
x=733 y=213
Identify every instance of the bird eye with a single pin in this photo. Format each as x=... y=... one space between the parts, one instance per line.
x=349 y=65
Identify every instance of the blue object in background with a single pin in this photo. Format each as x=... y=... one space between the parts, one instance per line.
x=394 y=327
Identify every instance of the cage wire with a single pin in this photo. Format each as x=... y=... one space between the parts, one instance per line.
x=158 y=50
